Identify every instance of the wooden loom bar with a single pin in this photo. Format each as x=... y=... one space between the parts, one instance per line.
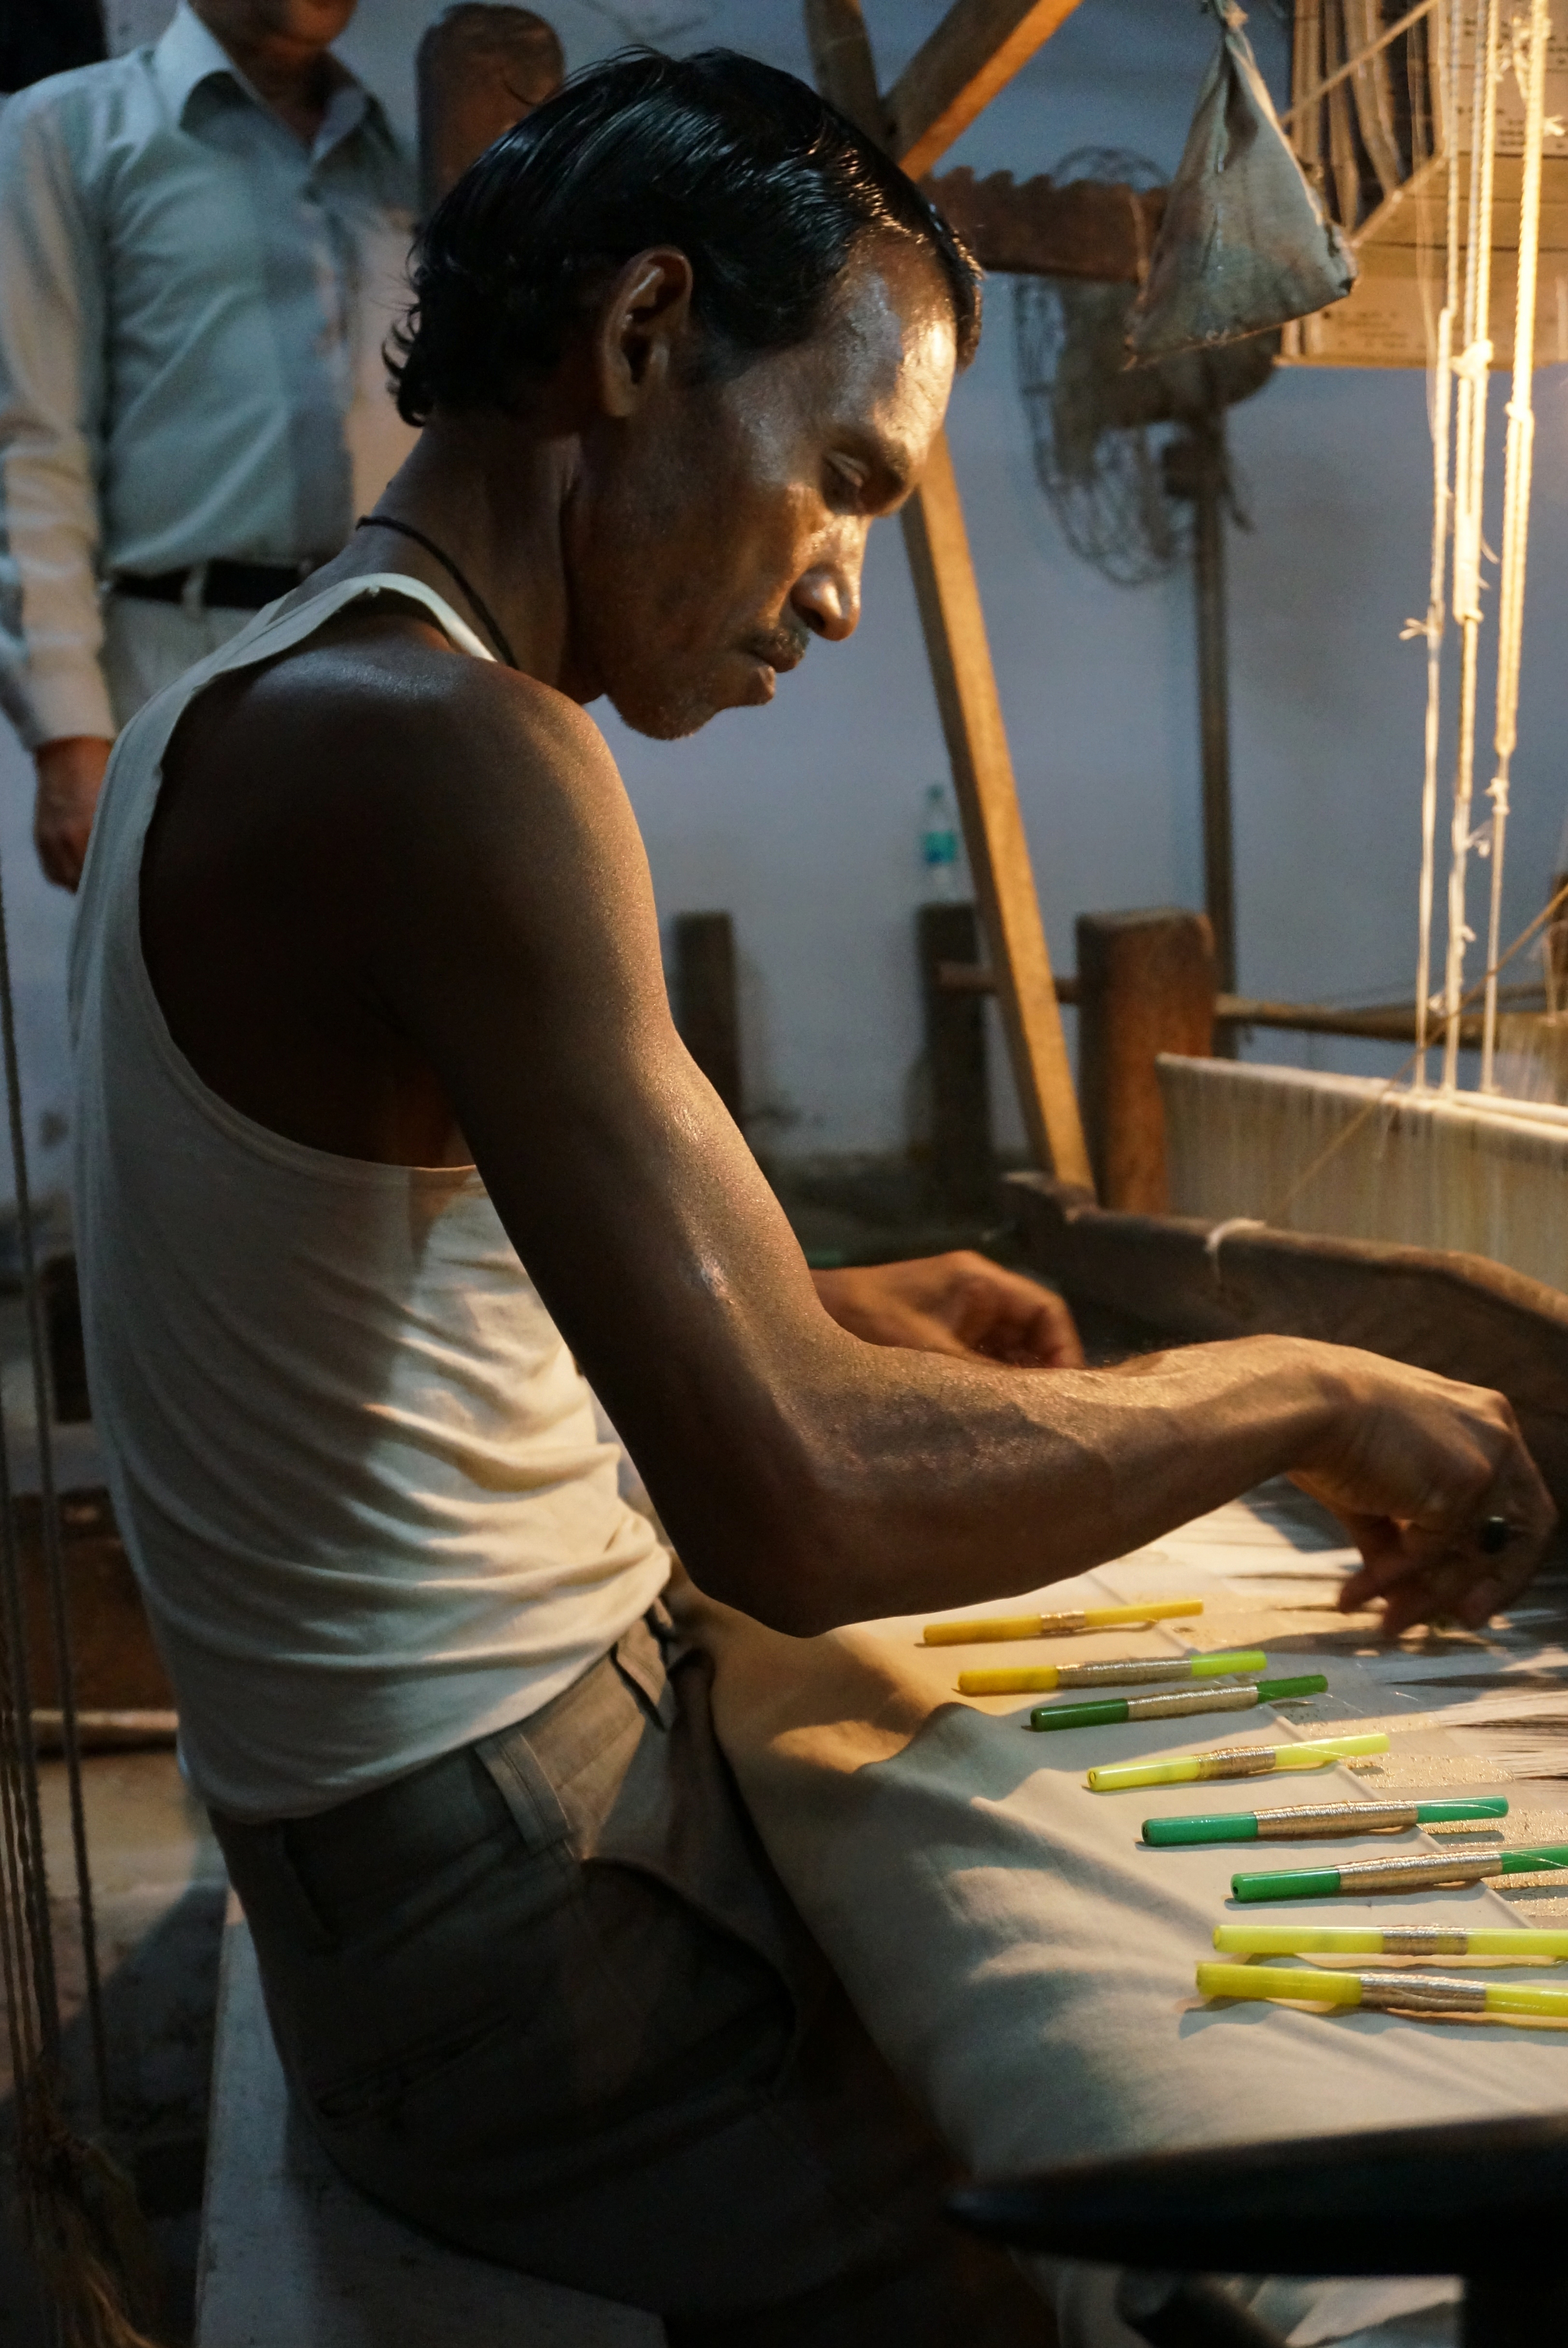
x=975 y=52
x=959 y=653
x=1382 y=1023
x=1034 y=228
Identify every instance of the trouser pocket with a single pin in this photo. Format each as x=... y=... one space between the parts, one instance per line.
x=625 y=1771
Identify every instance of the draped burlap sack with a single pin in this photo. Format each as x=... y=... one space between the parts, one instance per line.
x=1244 y=244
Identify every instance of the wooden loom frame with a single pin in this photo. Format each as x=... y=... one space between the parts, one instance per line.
x=974 y=52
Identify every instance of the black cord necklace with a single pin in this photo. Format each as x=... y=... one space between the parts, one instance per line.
x=407 y=529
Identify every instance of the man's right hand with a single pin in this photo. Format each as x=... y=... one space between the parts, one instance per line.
x=1414 y=1466
x=70 y=776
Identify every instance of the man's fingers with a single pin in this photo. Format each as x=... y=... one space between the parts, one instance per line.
x=1009 y=1318
x=1044 y=1336
x=61 y=853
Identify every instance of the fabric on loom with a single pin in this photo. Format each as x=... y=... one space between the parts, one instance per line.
x=1425 y=1169
x=1244 y=244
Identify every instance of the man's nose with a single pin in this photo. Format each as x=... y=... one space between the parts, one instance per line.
x=828 y=595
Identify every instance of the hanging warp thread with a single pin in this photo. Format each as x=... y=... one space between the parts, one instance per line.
x=1527 y=38
x=1472 y=371
x=1529 y=65
x=80 y=2218
x=1475 y=1171
x=1441 y=400
x=1305 y=1151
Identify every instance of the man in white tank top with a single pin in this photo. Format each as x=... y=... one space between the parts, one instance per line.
x=372 y=1015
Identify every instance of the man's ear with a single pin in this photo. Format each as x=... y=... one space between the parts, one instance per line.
x=644 y=315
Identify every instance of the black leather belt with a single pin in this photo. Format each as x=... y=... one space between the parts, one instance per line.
x=226 y=586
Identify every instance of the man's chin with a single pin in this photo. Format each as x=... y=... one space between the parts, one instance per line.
x=666 y=717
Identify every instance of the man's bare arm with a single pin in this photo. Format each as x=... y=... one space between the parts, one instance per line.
x=505 y=917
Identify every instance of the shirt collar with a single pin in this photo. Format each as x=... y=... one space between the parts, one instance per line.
x=189 y=55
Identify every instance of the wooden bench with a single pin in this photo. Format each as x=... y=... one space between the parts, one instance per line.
x=292 y=2257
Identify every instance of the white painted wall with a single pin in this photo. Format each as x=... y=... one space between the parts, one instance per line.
x=803 y=819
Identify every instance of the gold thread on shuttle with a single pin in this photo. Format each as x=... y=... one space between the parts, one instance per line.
x=1308 y=1818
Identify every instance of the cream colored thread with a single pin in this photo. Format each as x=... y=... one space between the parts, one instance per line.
x=1469 y=490
x=1531 y=55
x=1441 y=402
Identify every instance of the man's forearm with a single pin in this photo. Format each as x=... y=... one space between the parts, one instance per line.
x=966 y=1482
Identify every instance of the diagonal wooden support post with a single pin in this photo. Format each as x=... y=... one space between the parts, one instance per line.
x=944 y=572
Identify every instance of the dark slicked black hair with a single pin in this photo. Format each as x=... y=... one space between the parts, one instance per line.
x=767 y=189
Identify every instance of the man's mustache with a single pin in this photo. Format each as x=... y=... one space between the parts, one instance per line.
x=782 y=648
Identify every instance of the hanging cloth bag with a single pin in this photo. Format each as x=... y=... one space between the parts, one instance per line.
x=1244 y=244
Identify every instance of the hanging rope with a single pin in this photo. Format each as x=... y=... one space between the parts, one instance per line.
x=1529 y=65
x=49 y=1523
x=78 y=2214
x=1440 y=400
x=1471 y=367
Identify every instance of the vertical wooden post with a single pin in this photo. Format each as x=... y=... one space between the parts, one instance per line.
x=970 y=711
x=707 y=1009
x=1146 y=985
x=1214 y=691
x=963 y=1165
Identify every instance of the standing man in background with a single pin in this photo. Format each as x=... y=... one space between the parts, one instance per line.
x=205 y=244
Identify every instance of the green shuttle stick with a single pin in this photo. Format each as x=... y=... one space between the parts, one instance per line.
x=1519 y=1944
x=1134 y=1671
x=1115 y=1708
x=1417 y=1873
x=1305 y=1821
x=1382 y=1993
x=1234 y=1761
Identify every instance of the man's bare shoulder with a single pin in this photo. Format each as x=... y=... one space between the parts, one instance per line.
x=381 y=715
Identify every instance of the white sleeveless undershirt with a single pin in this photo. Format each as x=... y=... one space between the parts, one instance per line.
x=357 y=1471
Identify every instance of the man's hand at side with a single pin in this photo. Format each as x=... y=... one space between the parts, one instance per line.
x=957 y=1303
x=70 y=777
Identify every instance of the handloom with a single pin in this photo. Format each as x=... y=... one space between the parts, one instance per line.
x=1432 y=1165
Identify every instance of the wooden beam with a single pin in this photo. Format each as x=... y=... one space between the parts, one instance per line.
x=966 y=697
x=1033 y=228
x=842 y=62
x=971 y=710
x=975 y=52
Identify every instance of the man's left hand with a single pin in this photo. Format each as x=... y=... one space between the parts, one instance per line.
x=958 y=1303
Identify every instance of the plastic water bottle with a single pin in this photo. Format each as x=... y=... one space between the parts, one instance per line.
x=939 y=847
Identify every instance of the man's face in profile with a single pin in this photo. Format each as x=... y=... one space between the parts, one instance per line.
x=731 y=526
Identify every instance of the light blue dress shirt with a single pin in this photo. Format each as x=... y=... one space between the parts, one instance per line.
x=191 y=307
